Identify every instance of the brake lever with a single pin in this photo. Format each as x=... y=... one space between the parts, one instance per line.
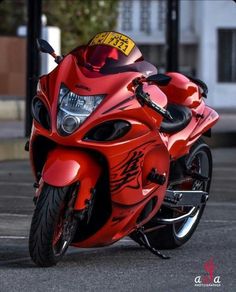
x=144 y=98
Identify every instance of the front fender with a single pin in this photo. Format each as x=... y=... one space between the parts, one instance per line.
x=65 y=166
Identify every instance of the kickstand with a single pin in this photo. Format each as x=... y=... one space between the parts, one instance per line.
x=143 y=241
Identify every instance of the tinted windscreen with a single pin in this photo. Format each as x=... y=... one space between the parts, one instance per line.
x=103 y=56
x=108 y=50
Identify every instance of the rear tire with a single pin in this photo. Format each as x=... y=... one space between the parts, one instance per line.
x=175 y=235
x=52 y=227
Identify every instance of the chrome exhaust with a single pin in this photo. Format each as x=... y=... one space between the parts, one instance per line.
x=177 y=219
x=177 y=198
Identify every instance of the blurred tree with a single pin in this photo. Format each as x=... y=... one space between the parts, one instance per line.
x=78 y=20
x=12 y=15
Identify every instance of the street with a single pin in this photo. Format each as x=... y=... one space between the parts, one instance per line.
x=123 y=266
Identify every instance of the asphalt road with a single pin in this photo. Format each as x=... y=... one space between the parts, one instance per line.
x=123 y=266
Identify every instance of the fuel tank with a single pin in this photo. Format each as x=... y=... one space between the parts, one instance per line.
x=182 y=91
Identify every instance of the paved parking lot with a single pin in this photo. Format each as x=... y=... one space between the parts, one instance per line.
x=124 y=266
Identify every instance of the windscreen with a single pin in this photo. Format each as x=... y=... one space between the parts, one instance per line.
x=109 y=50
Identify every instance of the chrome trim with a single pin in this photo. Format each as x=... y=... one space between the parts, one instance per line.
x=177 y=219
x=187 y=226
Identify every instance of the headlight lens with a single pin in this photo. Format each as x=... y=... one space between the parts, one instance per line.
x=69 y=124
x=74 y=109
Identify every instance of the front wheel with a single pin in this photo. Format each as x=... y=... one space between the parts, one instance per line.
x=199 y=161
x=53 y=225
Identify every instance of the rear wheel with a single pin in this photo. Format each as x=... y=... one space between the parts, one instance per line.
x=53 y=225
x=199 y=161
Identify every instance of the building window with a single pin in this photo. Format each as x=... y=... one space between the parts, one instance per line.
x=145 y=24
x=161 y=15
x=126 y=15
x=227 y=55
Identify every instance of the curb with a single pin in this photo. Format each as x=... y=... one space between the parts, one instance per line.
x=12 y=109
x=13 y=149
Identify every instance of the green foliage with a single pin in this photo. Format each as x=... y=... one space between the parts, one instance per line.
x=80 y=20
x=12 y=15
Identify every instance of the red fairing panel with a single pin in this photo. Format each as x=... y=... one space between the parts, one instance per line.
x=66 y=166
x=130 y=191
x=210 y=117
x=182 y=91
x=203 y=118
x=128 y=172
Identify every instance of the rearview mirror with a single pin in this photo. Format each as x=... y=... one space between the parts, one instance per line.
x=44 y=46
x=159 y=79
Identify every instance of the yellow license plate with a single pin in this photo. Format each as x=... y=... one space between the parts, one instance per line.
x=115 y=40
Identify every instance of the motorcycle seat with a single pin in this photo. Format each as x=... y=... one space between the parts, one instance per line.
x=181 y=118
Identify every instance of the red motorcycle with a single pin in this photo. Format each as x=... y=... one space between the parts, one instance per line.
x=116 y=151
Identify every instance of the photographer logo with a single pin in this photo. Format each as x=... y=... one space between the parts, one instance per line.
x=209 y=279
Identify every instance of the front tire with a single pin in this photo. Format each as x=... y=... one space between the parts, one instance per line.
x=53 y=225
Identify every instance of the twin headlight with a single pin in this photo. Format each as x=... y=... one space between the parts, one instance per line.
x=73 y=109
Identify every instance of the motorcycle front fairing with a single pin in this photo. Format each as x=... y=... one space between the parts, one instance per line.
x=130 y=157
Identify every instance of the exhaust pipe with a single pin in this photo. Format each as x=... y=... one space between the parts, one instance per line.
x=177 y=198
x=177 y=219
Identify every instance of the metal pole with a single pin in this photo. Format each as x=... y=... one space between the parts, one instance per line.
x=34 y=11
x=172 y=35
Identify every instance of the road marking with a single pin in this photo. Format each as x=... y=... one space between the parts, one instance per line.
x=12 y=183
x=218 y=229
x=13 y=261
x=16 y=197
x=13 y=237
x=15 y=215
x=223 y=189
x=221 y=178
x=219 y=221
x=221 y=204
x=225 y=168
x=12 y=173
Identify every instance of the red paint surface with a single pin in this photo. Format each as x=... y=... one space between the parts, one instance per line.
x=140 y=150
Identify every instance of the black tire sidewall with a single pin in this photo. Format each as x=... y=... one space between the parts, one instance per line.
x=44 y=222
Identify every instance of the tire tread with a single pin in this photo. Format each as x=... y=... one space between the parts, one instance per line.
x=42 y=227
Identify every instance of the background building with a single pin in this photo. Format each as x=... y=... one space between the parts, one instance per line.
x=207 y=40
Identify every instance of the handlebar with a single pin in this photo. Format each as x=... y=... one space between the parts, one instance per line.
x=144 y=99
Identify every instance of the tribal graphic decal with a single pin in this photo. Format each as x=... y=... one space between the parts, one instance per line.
x=128 y=173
